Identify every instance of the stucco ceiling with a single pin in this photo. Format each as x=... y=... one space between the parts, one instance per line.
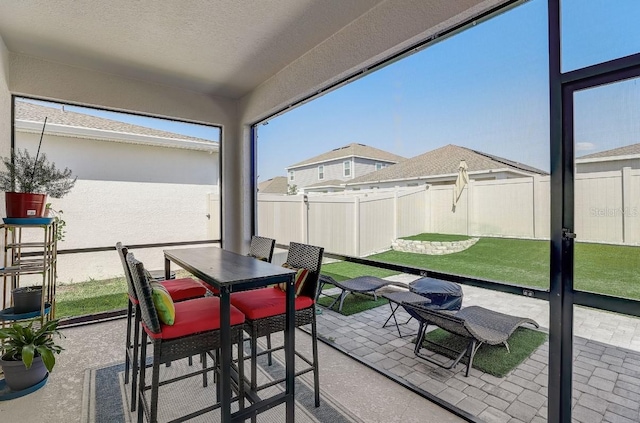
x=221 y=47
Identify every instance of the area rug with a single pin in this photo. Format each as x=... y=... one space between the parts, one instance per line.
x=106 y=398
x=492 y=359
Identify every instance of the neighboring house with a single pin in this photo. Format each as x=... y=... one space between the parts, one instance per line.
x=615 y=159
x=135 y=184
x=277 y=185
x=340 y=164
x=440 y=166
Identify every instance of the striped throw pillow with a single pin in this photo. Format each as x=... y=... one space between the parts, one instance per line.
x=301 y=277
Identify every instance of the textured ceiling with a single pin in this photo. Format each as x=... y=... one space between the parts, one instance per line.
x=221 y=47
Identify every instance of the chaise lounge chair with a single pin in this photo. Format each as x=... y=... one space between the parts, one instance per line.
x=479 y=325
x=361 y=285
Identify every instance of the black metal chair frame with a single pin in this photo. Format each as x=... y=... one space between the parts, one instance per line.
x=477 y=324
x=299 y=256
x=397 y=298
x=165 y=351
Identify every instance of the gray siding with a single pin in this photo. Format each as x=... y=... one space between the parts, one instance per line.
x=364 y=166
x=333 y=169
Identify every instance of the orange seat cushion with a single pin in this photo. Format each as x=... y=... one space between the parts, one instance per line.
x=265 y=302
x=184 y=289
x=195 y=316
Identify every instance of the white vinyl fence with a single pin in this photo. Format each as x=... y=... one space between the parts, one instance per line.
x=607 y=210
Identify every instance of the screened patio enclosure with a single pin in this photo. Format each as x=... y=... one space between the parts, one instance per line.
x=235 y=65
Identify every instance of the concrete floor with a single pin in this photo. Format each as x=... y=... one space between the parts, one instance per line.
x=368 y=395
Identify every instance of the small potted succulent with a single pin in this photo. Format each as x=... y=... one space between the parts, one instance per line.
x=28 y=180
x=28 y=353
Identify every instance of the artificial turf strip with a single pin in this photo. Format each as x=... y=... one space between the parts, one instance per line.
x=492 y=359
x=354 y=303
x=343 y=270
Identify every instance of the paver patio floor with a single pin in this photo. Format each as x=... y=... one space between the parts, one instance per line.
x=606 y=377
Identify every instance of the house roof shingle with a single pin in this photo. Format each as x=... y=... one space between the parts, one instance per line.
x=351 y=150
x=331 y=182
x=277 y=185
x=36 y=113
x=443 y=161
x=620 y=151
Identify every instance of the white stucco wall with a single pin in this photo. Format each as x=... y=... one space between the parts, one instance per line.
x=137 y=194
x=113 y=161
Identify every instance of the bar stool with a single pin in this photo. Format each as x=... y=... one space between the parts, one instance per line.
x=196 y=330
x=179 y=290
x=265 y=309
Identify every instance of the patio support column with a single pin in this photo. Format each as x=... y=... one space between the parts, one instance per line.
x=238 y=191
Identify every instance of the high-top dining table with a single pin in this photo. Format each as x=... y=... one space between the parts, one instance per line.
x=231 y=272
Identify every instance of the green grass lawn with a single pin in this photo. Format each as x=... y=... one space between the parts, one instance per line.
x=92 y=296
x=343 y=270
x=437 y=237
x=605 y=269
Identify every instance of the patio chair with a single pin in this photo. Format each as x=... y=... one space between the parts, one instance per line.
x=361 y=285
x=179 y=290
x=262 y=248
x=196 y=330
x=479 y=325
x=264 y=310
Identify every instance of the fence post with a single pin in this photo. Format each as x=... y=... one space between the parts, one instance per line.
x=469 y=206
x=626 y=205
x=356 y=226
x=305 y=218
x=395 y=214
x=535 y=197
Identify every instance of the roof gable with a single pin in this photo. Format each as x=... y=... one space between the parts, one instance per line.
x=351 y=150
x=277 y=185
x=627 y=150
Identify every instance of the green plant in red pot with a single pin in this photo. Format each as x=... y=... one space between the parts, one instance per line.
x=28 y=180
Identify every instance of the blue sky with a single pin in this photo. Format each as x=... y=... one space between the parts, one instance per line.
x=485 y=88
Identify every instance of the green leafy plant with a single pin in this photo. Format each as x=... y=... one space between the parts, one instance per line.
x=35 y=174
x=24 y=343
x=57 y=215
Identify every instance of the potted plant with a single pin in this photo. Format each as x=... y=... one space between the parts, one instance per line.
x=28 y=180
x=28 y=354
x=26 y=299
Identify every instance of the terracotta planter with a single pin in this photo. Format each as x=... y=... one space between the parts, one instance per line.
x=20 y=204
x=18 y=377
